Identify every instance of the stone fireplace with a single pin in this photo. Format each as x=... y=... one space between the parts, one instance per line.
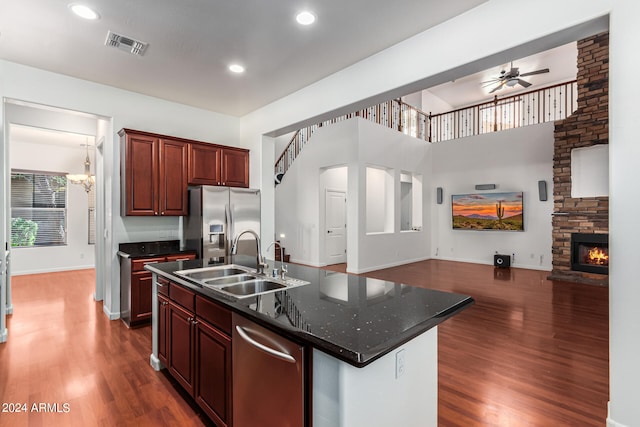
x=580 y=217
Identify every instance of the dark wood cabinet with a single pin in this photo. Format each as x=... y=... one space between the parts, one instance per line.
x=172 y=188
x=153 y=174
x=213 y=372
x=235 y=168
x=181 y=346
x=136 y=287
x=211 y=164
x=204 y=164
x=155 y=171
x=196 y=335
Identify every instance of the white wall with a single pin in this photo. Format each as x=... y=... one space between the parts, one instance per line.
x=357 y=144
x=434 y=104
x=514 y=160
x=77 y=253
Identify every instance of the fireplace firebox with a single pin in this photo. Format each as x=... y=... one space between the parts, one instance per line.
x=590 y=252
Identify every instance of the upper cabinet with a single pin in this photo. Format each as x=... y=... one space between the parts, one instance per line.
x=153 y=175
x=235 y=167
x=155 y=171
x=215 y=165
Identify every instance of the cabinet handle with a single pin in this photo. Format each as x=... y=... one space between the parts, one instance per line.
x=162 y=285
x=164 y=303
x=195 y=322
x=155 y=213
x=162 y=213
x=183 y=259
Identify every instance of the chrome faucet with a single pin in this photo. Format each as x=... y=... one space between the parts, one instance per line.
x=259 y=260
x=283 y=266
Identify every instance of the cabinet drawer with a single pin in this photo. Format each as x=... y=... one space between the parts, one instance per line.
x=180 y=257
x=215 y=314
x=163 y=286
x=138 y=264
x=182 y=296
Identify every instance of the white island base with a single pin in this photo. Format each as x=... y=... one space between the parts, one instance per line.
x=388 y=392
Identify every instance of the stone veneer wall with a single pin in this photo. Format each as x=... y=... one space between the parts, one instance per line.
x=588 y=126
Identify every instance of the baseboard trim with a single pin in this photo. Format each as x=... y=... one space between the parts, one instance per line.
x=155 y=363
x=52 y=270
x=611 y=422
x=475 y=261
x=4 y=335
x=109 y=314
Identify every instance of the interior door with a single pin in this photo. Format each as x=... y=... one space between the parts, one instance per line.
x=336 y=227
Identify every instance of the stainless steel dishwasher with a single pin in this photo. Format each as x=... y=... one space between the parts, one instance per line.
x=268 y=377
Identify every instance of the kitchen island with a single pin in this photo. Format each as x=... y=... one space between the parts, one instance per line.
x=371 y=345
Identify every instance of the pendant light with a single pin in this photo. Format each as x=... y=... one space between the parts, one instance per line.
x=86 y=179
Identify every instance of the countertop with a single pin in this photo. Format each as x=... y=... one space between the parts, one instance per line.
x=150 y=249
x=353 y=318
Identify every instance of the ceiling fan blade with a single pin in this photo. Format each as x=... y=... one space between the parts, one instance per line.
x=500 y=86
x=523 y=83
x=531 y=73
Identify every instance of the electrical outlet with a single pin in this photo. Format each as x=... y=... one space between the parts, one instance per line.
x=400 y=363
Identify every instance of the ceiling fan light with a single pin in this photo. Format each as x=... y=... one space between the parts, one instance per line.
x=512 y=82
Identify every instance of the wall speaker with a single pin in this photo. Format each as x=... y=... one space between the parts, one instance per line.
x=439 y=195
x=485 y=186
x=501 y=261
x=542 y=190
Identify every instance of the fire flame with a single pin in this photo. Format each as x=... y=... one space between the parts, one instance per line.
x=598 y=257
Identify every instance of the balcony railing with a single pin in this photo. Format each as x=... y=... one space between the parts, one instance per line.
x=528 y=108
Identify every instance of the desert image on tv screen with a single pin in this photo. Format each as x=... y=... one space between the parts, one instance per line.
x=491 y=211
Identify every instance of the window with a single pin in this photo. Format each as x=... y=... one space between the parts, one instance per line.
x=38 y=208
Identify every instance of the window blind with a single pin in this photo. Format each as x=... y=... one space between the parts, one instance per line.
x=38 y=208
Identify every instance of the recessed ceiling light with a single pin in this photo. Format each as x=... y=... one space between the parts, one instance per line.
x=236 y=68
x=305 y=18
x=84 y=11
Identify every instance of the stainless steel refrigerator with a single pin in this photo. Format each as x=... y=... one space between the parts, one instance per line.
x=216 y=216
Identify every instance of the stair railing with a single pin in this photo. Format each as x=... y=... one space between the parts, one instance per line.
x=394 y=114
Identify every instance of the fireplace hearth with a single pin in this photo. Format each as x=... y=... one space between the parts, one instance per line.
x=590 y=252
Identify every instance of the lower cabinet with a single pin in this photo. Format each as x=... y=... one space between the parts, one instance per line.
x=213 y=373
x=197 y=349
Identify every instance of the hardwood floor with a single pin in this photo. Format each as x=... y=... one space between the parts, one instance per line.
x=63 y=350
x=530 y=352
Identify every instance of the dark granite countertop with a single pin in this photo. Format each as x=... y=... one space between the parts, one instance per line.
x=149 y=249
x=353 y=318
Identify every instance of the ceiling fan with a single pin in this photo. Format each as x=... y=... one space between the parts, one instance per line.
x=511 y=78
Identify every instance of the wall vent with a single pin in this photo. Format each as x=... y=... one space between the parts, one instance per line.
x=127 y=44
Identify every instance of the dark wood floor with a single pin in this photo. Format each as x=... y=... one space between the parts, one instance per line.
x=530 y=352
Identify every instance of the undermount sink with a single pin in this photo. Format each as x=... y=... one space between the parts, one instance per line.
x=236 y=282
x=211 y=272
x=228 y=280
x=252 y=287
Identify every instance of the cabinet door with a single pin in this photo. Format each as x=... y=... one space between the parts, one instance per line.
x=235 y=168
x=141 y=297
x=180 y=346
x=173 y=196
x=213 y=372
x=163 y=320
x=204 y=164
x=140 y=162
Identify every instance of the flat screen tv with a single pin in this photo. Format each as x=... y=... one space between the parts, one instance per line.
x=489 y=211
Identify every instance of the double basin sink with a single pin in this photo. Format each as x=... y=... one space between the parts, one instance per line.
x=237 y=281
